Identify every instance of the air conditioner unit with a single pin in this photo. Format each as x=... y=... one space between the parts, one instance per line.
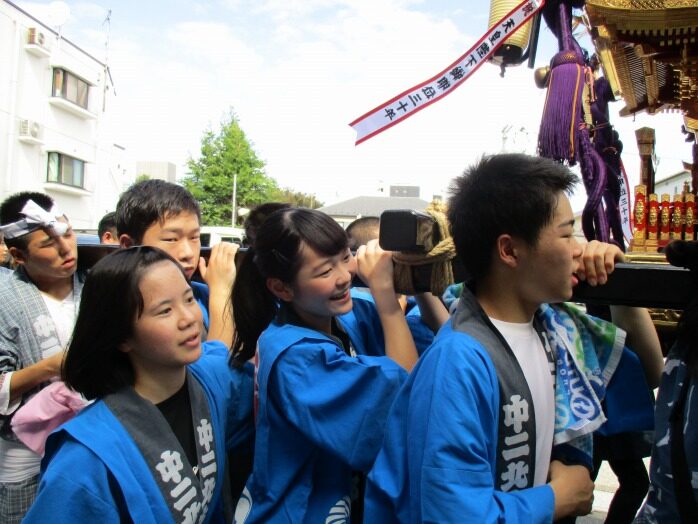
x=36 y=37
x=29 y=129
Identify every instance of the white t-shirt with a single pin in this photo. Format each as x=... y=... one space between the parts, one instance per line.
x=63 y=313
x=17 y=462
x=530 y=354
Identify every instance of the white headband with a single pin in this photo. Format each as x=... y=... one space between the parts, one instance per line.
x=36 y=217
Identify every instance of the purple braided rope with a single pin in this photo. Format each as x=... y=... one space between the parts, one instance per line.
x=565 y=38
x=594 y=220
x=607 y=147
x=611 y=197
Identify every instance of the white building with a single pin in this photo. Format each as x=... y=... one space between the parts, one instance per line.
x=673 y=185
x=54 y=128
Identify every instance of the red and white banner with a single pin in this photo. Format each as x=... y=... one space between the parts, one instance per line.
x=413 y=100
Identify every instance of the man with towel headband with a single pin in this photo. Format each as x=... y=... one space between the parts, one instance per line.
x=38 y=306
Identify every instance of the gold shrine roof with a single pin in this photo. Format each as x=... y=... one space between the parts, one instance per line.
x=649 y=53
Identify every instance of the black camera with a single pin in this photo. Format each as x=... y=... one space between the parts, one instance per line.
x=415 y=233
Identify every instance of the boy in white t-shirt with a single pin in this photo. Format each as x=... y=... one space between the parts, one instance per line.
x=38 y=304
x=491 y=423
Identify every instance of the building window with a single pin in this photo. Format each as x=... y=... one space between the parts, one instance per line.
x=67 y=85
x=64 y=169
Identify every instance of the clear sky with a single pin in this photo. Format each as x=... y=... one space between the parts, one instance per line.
x=296 y=72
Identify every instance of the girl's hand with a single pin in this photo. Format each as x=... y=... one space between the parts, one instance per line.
x=376 y=270
x=375 y=266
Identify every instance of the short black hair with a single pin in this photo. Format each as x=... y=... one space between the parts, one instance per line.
x=107 y=223
x=150 y=201
x=361 y=230
x=11 y=211
x=512 y=194
x=257 y=217
x=111 y=301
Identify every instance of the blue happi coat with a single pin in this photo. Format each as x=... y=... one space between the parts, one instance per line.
x=439 y=461
x=661 y=504
x=363 y=325
x=93 y=471
x=320 y=416
x=439 y=458
x=201 y=295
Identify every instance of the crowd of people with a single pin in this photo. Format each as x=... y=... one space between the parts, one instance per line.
x=158 y=386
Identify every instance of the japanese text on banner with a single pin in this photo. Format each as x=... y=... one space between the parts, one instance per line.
x=422 y=95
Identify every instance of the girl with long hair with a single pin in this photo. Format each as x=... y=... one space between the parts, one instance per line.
x=322 y=392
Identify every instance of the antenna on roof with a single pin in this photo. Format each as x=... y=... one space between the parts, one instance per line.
x=505 y=136
x=107 y=22
x=107 y=71
x=58 y=14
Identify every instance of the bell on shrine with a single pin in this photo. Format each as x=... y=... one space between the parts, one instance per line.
x=541 y=77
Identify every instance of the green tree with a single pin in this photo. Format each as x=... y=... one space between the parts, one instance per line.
x=298 y=198
x=224 y=154
x=142 y=178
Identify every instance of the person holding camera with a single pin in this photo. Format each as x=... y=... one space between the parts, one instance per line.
x=323 y=388
x=495 y=422
x=425 y=313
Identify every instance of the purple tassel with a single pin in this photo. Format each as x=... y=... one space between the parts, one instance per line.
x=563 y=134
x=563 y=108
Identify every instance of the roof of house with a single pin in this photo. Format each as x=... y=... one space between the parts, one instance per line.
x=373 y=206
x=680 y=174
